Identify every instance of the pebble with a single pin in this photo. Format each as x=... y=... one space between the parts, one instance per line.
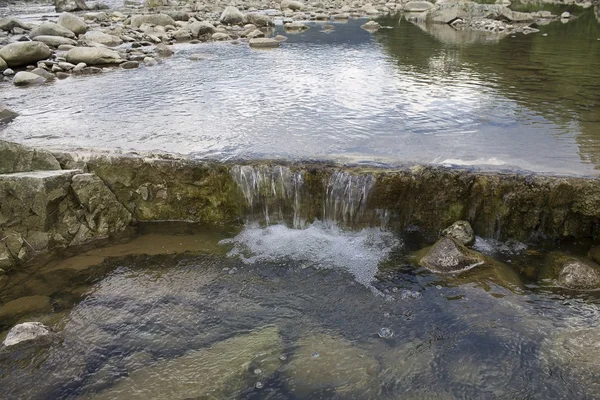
x=8 y=72
x=315 y=355
x=259 y=385
x=385 y=333
x=283 y=357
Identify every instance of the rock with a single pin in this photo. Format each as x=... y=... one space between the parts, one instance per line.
x=328 y=28
x=6 y=115
x=406 y=362
x=219 y=36
x=461 y=231
x=198 y=57
x=571 y=272
x=153 y=19
x=72 y=23
x=65 y=66
x=65 y=47
x=565 y=15
x=69 y=5
x=295 y=27
x=163 y=50
x=93 y=56
x=417 y=6
x=449 y=256
x=87 y=71
x=48 y=76
x=231 y=16
x=150 y=62
x=24 y=78
x=25 y=332
x=51 y=29
x=55 y=41
x=102 y=38
x=24 y=53
x=62 y=75
x=292 y=5
x=8 y=72
x=263 y=43
x=371 y=26
x=9 y=25
x=325 y=363
x=130 y=65
x=182 y=34
x=257 y=33
x=260 y=20
x=79 y=67
x=280 y=38
x=201 y=28
x=226 y=369
x=96 y=17
x=3 y=65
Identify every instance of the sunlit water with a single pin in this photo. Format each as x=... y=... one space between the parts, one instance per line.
x=354 y=321
x=404 y=94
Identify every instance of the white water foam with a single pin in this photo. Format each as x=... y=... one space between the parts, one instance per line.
x=319 y=246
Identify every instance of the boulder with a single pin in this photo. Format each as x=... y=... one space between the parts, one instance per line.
x=69 y=5
x=6 y=115
x=9 y=25
x=231 y=16
x=17 y=158
x=72 y=23
x=571 y=272
x=163 y=50
x=295 y=27
x=260 y=20
x=220 y=36
x=201 y=28
x=25 y=332
x=182 y=34
x=55 y=41
x=461 y=231
x=130 y=65
x=51 y=29
x=449 y=256
x=48 y=76
x=153 y=19
x=93 y=56
x=417 y=6
x=263 y=43
x=23 y=53
x=24 y=78
x=371 y=26
x=102 y=38
x=150 y=62
x=96 y=17
x=3 y=65
x=292 y=5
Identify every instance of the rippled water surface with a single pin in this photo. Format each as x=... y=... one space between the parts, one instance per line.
x=404 y=94
x=281 y=313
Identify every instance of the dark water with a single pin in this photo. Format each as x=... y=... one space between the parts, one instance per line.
x=216 y=320
x=404 y=94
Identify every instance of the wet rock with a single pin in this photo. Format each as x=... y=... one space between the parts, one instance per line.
x=69 y=5
x=72 y=23
x=295 y=27
x=163 y=50
x=571 y=272
x=48 y=76
x=24 y=53
x=461 y=231
x=322 y=362
x=565 y=15
x=225 y=368
x=55 y=41
x=448 y=255
x=292 y=5
x=6 y=115
x=263 y=43
x=9 y=25
x=130 y=65
x=280 y=38
x=8 y=72
x=93 y=56
x=201 y=28
x=3 y=65
x=231 y=16
x=62 y=75
x=102 y=38
x=260 y=20
x=219 y=36
x=150 y=62
x=371 y=26
x=417 y=6
x=153 y=19
x=25 y=332
x=51 y=29
x=24 y=78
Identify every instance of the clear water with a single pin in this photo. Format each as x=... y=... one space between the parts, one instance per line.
x=200 y=323
x=404 y=94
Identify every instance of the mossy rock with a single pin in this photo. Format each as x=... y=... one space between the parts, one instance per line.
x=571 y=272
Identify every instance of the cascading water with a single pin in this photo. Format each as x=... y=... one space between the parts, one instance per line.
x=346 y=197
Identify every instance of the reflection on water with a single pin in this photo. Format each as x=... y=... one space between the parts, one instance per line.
x=289 y=320
x=406 y=94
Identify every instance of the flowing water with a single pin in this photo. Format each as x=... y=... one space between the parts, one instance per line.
x=404 y=94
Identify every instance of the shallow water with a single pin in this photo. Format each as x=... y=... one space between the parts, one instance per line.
x=404 y=94
x=296 y=314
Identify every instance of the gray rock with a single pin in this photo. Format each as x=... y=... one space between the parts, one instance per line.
x=417 y=6
x=65 y=66
x=62 y=75
x=93 y=56
x=24 y=78
x=263 y=43
x=257 y=33
x=201 y=28
x=51 y=29
x=55 y=41
x=154 y=19
x=182 y=34
x=9 y=25
x=231 y=16
x=3 y=65
x=371 y=26
x=219 y=36
x=130 y=65
x=69 y=5
x=295 y=27
x=150 y=62
x=448 y=256
x=102 y=38
x=571 y=272
x=95 y=17
x=72 y=23
x=25 y=332
x=260 y=20
x=79 y=67
x=43 y=73
x=292 y=5
x=163 y=50
x=8 y=72
x=65 y=47
x=280 y=38
x=24 y=53
x=461 y=231
x=6 y=115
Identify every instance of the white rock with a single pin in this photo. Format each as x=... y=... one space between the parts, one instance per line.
x=25 y=332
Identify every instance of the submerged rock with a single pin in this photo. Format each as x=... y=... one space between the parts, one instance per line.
x=571 y=272
x=26 y=332
x=323 y=362
x=461 y=231
x=448 y=256
x=218 y=372
x=6 y=115
x=263 y=43
x=23 y=53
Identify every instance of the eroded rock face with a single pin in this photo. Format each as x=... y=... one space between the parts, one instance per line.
x=572 y=272
x=23 y=53
x=25 y=332
x=219 y=371
x=449 y=256
x=461 y=231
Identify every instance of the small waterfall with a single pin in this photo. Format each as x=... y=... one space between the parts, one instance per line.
x=272 y=191
x=346 y=196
